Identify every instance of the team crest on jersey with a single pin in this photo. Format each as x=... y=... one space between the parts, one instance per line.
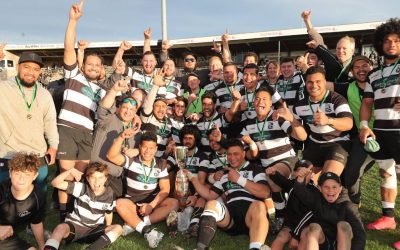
x=162 y=133
x=24 y=213
x=94 y=96
x=246 y=174
x=156 y=172
x=270 y=125
x=328 y=109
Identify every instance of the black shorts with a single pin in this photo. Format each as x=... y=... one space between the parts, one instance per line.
x=319 y=153
x=289 y=162
x=84 y=234
x=237 y=211
x=14 y=242
x=389 y=142
x=75 y=144
x=328 y=244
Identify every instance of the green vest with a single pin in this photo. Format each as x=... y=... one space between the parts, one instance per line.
x=354 y=98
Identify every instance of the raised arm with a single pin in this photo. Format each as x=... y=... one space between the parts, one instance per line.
x=109 y=99
x=124 y=46
x=226 y=53
x=165 y=46
x=230 y=113
x=306 y=15
x=147 y=37
x=82 y=45
x=114 y=154
x=150 y=98
x=60 y=181
x=70 y=34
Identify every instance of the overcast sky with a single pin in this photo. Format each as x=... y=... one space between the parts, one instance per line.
x=44 y=21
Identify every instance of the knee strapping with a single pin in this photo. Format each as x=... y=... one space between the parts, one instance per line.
x=390 y=179
x=218 y=213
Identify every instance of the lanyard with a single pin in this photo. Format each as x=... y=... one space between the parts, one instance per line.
x=261 y=132
x=147 y=177
x=191 y=159
x=384 y=80
x=285 y=86
x=219 y=159
x=166 y=86
x=28 y=105
x=209 y=124
x=249 y=104
x=147 y=85
x=228 y=89
x=164 y=128
x=323 y=100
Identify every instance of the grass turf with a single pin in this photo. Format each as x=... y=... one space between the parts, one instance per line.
x=370 y=210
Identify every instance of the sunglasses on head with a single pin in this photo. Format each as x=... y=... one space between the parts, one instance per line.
x=130 y=100
x=190 y=59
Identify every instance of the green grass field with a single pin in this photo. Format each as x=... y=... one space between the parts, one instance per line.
x=370 y=210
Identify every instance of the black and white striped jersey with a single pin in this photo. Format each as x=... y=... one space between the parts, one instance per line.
x=142 y=180
x=291 y=90
x=163 y=130
x=271 y=138
x=89 y=209
x=334 y=106
x=384 y=87
x=235 y=192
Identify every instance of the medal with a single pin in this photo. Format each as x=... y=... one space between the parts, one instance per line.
x=145 y=186
x=383 y=91
x=29 y=116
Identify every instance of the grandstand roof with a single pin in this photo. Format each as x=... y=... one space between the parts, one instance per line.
x=260 y=42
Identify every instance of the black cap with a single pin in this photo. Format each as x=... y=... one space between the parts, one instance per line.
x=193 y=74
x=328 y=176
x=302 y=163
x=358 y=58
x=30 y=57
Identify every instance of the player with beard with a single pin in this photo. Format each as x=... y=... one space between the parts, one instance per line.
x=382 y=93
x=172 y=87
x=217 y=157
x=81 y=96
x=154 y=116
x=210 y=118
x=28 y=118
x=178 y=118
x=197 y=163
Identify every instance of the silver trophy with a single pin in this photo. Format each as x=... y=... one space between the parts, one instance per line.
x=181 y=180
x=181 y=156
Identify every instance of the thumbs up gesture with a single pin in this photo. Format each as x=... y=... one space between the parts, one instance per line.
x=320 y=117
